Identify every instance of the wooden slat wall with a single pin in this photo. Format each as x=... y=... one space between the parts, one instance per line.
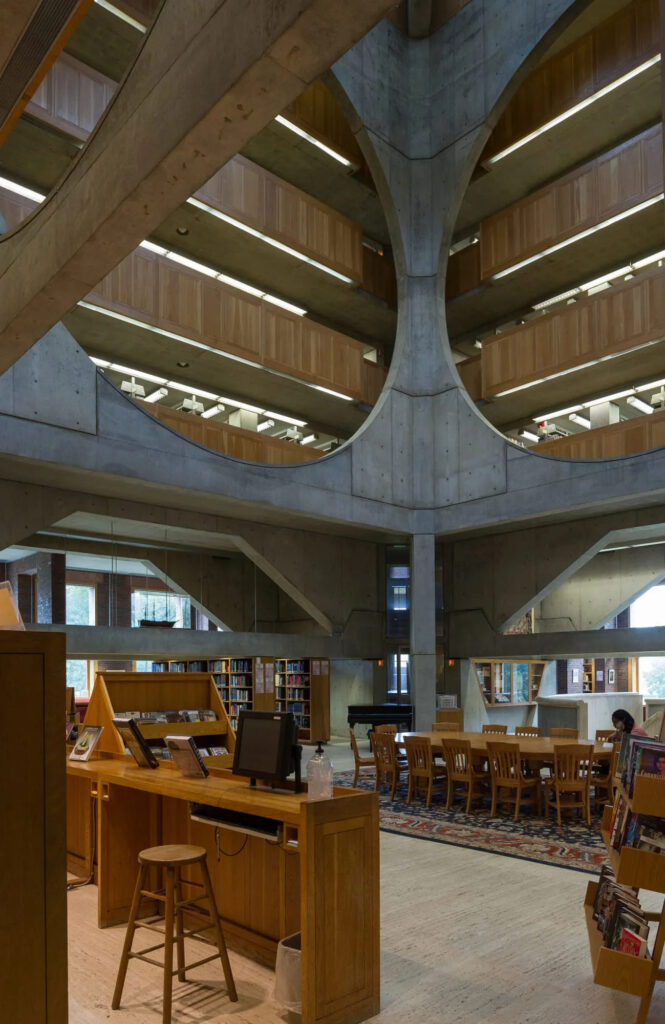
x=317 y=112
x=622 y=42
x=627 y=438
x=613 y=182
x=610 y=321
x=378 y=276
x=463 y=272
x=157 y=291
x=72 y=97
x=256 y=197
x=470 y=372
x=240 y=444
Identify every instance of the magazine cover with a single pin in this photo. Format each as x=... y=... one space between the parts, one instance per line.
x=86 y=742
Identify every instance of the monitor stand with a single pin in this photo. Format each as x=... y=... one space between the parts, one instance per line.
x=297 y=760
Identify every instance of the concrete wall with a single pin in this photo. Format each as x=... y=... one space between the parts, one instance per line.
x=351 y=682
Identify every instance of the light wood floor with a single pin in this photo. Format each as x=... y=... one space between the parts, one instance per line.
x=467 y=938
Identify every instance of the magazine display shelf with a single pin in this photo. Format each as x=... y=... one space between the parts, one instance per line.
x=642 y=870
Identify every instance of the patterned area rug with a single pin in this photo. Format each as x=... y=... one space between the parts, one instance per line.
x=575 y=845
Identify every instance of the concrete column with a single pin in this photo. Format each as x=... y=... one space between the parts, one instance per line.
x=423 y=629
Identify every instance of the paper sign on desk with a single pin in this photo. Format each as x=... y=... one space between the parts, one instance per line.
x=270 y=678
x=259 y=676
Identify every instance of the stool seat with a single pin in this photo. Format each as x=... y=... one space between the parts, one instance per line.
x=171 y=856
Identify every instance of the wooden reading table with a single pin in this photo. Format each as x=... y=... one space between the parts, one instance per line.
x=532 y=748
x=322 y=879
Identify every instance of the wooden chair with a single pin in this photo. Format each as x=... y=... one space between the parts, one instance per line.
x=422 y=769
x=444 y=727
x=360 y=762
x=389 y=766
x=602 y=777
x=171 y=860
x=386 y=729
x=571 y=779
x=564 y=734
x=604 y=734
x=528 y=730
x=495 y=730
x=507 y=777
x=461 y=769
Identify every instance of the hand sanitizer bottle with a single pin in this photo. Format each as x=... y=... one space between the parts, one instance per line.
x=319 y=775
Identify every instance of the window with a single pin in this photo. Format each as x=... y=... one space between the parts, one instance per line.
x=76 y=673
x=648 y=610
x=398 y=674
x=398 y=600
x=160 y=606
x=80 y=605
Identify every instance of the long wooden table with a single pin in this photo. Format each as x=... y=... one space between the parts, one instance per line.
x=536 y=748
x=322 y=880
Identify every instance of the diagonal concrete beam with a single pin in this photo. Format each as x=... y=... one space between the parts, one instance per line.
x=601 y=589
x=208 y=77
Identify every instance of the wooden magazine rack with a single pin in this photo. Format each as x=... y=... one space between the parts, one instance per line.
x=120 y=693
x=643 y=870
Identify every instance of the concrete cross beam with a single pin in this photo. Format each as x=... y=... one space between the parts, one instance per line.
x=207 y=78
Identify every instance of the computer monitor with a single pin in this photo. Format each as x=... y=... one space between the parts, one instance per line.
x=266 y=746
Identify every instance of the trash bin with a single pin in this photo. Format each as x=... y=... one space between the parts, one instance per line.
x=288 y=984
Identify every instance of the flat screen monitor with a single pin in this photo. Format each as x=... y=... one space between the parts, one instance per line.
x=265 y=744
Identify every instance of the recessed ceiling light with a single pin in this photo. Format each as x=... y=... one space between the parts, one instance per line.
x=183 y=365
x=180 y=230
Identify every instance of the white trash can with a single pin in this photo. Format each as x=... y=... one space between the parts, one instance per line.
x=288 y=983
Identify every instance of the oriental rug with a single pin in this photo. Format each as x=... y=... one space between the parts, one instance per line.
x=575 y=845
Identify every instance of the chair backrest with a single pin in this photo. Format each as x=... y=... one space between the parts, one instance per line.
x=443 y=727
x=418 y=755
x=454 y=716
x=572 y=763
x=528 y=730
x=354 y=746
x=385 y=750
x=495 y=730
x=386 y=729
x=504 y=759
x=564 y=734
x=604 y=734
x=457 y=755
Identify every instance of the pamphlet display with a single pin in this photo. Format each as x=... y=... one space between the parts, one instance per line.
x=186 y=756
x=135 y=743
x=86 y=743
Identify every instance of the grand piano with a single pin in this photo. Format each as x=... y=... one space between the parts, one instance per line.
x=372 y=715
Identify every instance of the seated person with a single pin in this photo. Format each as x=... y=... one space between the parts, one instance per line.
x=624 y=722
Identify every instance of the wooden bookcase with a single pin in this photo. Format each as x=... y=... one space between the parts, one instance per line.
x=267 y=684
x=121 y=693
x=643 y=870
x=509 y=682
x=303 y=686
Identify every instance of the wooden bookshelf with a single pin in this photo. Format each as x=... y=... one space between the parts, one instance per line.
x=303 y=687
x=122 y=693
x=641 y=869
x=506 y=683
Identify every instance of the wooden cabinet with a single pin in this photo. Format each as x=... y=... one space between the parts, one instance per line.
x=643 y=870
x=33 y=964
x=509 y=682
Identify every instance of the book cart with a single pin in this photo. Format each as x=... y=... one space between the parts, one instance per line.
x=640 y=869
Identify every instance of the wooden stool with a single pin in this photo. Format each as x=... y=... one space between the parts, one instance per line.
x=172 y=859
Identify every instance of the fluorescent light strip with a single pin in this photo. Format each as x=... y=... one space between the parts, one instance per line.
x=605 y=278
x=637 y=403
x=556 y=298
x=616 y=84
x=112 y=9
x=581 y=421
x=214 y=410
x=21 y=190
x=653 y=384
x=609 y=398
x=315 y=142
x=559 y=412
x=284 y=419
x=578 y=237
x=309 y=439
x=335 y=394
x=528 y=436
x=266 y=238
x=201 y=268
x=638 y=264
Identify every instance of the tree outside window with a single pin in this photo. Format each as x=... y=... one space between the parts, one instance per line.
x=80 y=605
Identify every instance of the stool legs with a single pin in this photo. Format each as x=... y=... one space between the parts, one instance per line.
x=219 y=935
x=129 y=936
x=180 y=942
x=169 y=886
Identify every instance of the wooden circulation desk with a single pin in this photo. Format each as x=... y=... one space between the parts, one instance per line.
x=322 y=880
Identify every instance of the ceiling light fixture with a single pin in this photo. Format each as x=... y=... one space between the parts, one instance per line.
x=637 y=403
x=335 y=394
x=21 y=190
x=310 y=438
x=609 y=398
x=578 y=237
x=266 y=425
x=528 y=436
x=314 y=142
x=112 y=9
x=633 y=73
x=581 y=421
x=156 y=395
x=556 y=415
x=268 y=240
x=214 y=410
